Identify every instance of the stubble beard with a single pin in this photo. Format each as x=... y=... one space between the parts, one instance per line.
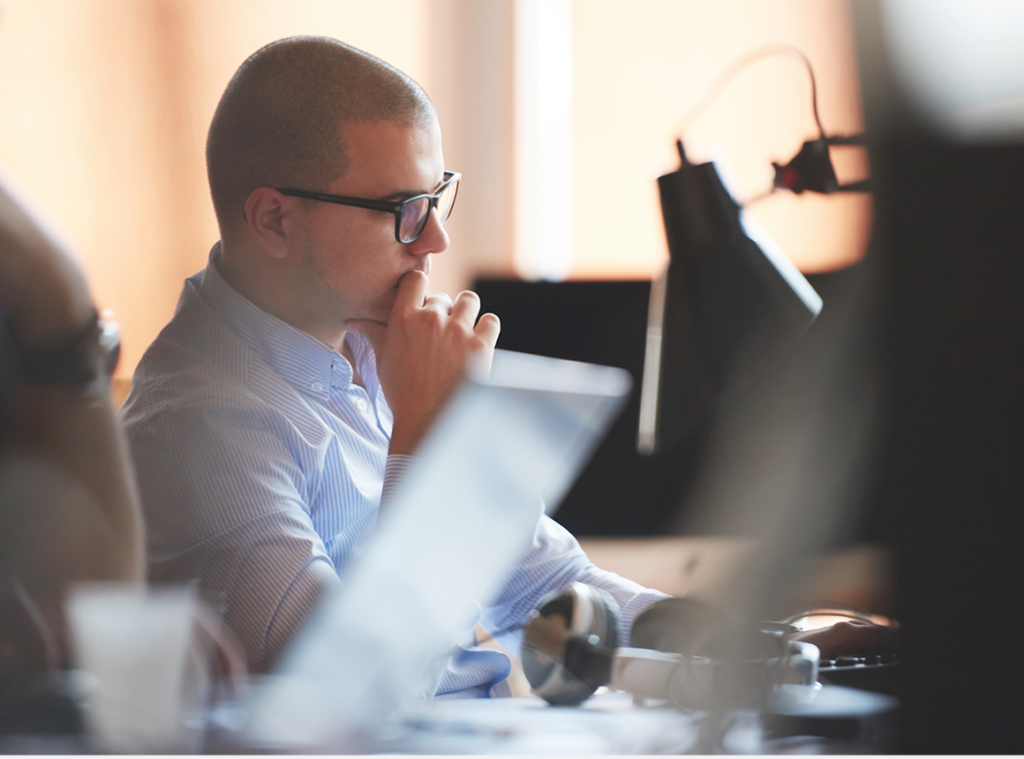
x=321 y=295
x=335 y=305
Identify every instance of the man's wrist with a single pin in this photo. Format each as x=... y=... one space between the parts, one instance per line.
x=405 y=442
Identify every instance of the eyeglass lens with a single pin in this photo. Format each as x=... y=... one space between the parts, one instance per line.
x=416 y=213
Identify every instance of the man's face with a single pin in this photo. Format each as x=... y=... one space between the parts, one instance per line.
x=351 y=262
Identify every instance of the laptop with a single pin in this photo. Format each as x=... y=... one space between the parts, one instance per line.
x=507 y=448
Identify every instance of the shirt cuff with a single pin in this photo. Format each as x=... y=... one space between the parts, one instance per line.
x=394 y=472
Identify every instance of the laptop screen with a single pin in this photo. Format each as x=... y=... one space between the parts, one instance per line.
x=507 y=446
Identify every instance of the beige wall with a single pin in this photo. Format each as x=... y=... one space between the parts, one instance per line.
x=471 y=83
x=104 y=106
x=639 y=67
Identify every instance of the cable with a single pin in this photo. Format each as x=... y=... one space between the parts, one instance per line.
x=716 y=87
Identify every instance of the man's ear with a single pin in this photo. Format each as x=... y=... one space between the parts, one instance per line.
x=268 y=216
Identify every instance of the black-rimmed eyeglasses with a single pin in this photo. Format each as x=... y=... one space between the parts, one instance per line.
x=411 y=214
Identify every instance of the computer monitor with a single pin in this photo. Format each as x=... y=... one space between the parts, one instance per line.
x=620 y=492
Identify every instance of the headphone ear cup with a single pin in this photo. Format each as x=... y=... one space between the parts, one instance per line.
x=604 y=616
x=580 y=612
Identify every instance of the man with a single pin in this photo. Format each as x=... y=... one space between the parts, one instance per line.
x=306 y=362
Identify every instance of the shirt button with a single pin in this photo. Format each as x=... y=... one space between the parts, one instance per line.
x=362 y=405
x=317 y=386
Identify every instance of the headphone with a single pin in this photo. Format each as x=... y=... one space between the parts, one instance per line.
x=568 y=642
x=686 y=651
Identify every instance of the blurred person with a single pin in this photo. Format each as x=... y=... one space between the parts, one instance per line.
x=69 y=505
x=69 y=508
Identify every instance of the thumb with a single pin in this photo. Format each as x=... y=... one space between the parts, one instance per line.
x=375 y=332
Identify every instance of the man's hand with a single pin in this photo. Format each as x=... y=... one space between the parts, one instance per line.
x=423 y=351
x=850 y=638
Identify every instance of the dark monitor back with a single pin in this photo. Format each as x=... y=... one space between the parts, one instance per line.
x=620 y=492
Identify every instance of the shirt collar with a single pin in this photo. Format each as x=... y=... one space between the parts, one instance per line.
x=298 y=357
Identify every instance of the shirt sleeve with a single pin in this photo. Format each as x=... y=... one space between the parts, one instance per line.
x=394 y=471
x=227 y=503
x=553 y=561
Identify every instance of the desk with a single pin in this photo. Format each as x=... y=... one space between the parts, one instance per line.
x=606 y=724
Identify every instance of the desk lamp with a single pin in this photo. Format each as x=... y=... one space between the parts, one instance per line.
x=729 y=306
x=728 y=291
x=725 y=283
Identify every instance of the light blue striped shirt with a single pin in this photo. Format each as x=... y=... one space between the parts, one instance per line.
x=262 y=465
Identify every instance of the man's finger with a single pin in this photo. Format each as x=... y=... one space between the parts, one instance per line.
x=412 y=291
x=466 y=307
x=487 y=329
x=440 y=301
x=372 y=331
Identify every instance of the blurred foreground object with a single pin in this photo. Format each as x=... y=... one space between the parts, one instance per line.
x=152 y=658
x=944 y=93
x=69 y=511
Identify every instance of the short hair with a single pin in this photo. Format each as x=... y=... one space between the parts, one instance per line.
x=280 y=120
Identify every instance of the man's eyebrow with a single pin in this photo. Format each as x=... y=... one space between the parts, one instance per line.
x=403 y=194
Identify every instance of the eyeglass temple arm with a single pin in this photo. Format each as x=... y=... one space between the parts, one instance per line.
x=373 y=205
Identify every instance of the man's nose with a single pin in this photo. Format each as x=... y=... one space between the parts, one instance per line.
x=433 y=238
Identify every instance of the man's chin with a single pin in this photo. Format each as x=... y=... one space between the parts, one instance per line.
x=364 y=319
